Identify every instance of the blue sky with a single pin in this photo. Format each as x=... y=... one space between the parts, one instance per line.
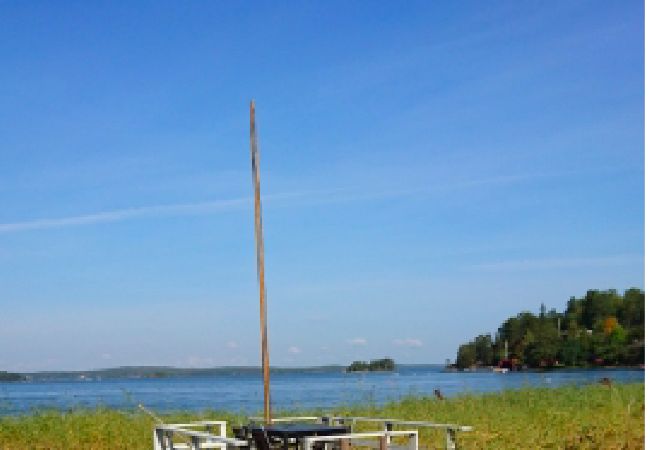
x=428 y=169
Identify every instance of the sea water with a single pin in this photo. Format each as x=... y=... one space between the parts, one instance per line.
x=290 y=391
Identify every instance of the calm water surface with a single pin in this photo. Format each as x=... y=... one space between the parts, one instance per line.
x=293 y=390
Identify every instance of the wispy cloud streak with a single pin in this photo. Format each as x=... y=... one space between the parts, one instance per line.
x=408 y=342
x=124 y=214
x=357 y=341
x=176 y=209
x=307 y=197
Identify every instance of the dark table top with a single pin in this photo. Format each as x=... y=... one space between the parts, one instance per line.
x=300 y=430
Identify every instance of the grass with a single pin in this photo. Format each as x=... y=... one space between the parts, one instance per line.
x=591 y=417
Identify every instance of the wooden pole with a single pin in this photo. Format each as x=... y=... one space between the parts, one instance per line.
x=259 y=240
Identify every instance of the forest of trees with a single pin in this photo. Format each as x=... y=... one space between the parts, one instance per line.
x=374 y=365
x=601 y=328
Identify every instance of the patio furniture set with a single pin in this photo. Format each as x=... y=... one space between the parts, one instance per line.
x=302 y=433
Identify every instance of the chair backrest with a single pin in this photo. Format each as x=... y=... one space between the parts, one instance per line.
x=240 y=433
x=260 y=439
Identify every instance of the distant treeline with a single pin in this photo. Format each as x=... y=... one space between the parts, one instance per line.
x=374 y=365
x=601 y=328
x=10 y=376
x=133 y=372
x=130 y=372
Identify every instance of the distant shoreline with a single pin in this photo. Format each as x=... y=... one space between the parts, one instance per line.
x=131 y=372
x=160 y=372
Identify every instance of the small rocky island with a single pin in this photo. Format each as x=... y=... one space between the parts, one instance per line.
x=385 y=364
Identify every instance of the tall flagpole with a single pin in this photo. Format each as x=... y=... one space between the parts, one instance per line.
x=259 y=239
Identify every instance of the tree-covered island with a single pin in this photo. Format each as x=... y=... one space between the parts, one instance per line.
x=601 y=328
x=385 y=364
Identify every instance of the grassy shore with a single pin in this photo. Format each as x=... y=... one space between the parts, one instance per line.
x=597 y=417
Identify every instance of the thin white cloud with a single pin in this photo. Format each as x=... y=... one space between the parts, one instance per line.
x=408 y=342
x=309 y=197
x=232 y=344
x=294 y=350
x=358 y=341
x=558 y=263
x=119 y=215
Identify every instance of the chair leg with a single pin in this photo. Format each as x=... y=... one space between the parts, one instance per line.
x=450 y=439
